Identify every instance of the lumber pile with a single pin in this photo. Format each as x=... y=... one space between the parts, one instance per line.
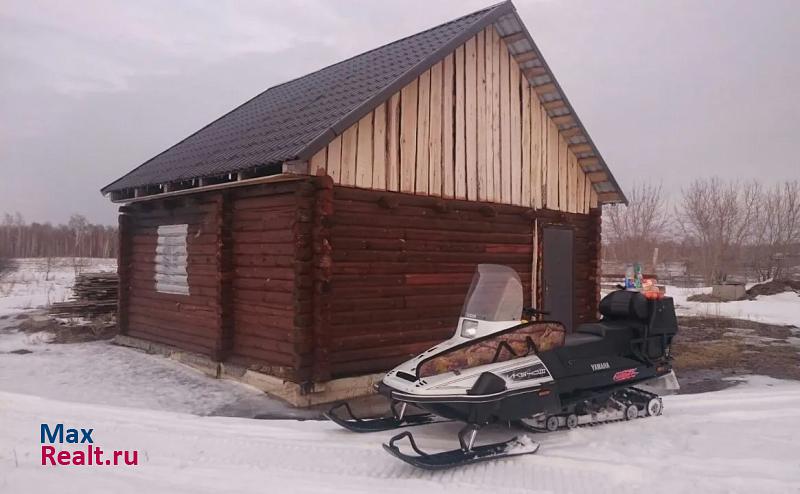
x=94 y=294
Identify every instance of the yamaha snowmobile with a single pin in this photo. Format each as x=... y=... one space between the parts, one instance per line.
x=504 y=366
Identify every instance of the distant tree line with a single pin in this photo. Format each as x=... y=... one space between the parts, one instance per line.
x=77 y=238
x=716 y=227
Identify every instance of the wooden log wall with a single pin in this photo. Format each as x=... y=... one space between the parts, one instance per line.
x=471 y=127
x=250 y=276
x=401 y=267
x=309 y=281
x=192 y=322
x=272 y=278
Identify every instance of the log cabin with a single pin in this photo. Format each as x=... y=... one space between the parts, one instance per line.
x=329 y=227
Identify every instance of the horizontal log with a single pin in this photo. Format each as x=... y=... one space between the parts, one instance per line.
x=339 y=304
x=265 y=237
x=264 y=260
x=197 y=294
x=377 y=342
x=359 y=232
x=254 y=348
x=197 y=345
x=271 y=285
x=419 y=266
x=279 y=249
x=369 y=366
x=283 y=326
x=265 y=273
x=265 y=190
x=166 y=305
x=189 y=319
x=269 y=341
x=447 y=279
x=409 y=349
x=267 y=299
x=403 y=245
x=440 y=323
x=365 y=195
x=357 y=292
x=263 y=223
x=424 y=214
x=280 y=313
x=357 y=219
x=282 y=201
x=409 y=314
x=178 y=332
x=429 y=257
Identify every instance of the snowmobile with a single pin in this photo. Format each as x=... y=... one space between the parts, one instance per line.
x=510 y=365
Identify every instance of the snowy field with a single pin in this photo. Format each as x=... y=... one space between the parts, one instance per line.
x=782 y=308
x=743 y=439
x=39 y=282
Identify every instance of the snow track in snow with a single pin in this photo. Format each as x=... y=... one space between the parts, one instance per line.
x=744 y=439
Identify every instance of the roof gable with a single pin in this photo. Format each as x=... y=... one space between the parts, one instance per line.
x=295 y=119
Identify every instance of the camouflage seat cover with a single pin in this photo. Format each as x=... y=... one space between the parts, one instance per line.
x=544 y=335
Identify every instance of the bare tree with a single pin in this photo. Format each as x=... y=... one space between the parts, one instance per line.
x=634 y=230
x=77 y=239
x=716 y=218
x=776 y=229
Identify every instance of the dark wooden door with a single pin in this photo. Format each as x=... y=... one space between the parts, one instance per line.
x=557 y=275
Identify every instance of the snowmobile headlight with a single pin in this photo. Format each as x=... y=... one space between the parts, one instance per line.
x=469 y=329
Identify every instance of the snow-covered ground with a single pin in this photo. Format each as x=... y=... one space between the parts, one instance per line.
x=782 y=308
x=744 y=439
x=100 y=372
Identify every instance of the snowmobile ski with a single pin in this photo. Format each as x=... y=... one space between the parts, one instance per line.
x=355 y=424
x=459 y=457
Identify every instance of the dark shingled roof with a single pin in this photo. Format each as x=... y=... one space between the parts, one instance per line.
x=286 y=121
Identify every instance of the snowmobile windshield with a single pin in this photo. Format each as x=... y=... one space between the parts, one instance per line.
x=495 y=294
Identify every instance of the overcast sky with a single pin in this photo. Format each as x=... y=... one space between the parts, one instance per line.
x=669 y=90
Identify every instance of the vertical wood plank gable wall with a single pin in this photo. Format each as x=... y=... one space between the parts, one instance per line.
x=471 y=127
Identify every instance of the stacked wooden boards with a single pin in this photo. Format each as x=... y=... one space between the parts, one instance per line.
x=93 y=294
x=471 y=127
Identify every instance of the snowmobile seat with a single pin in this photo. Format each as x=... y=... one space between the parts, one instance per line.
x=575 y=339
x=605 y=328
x=624 y=315
x=624 y=305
